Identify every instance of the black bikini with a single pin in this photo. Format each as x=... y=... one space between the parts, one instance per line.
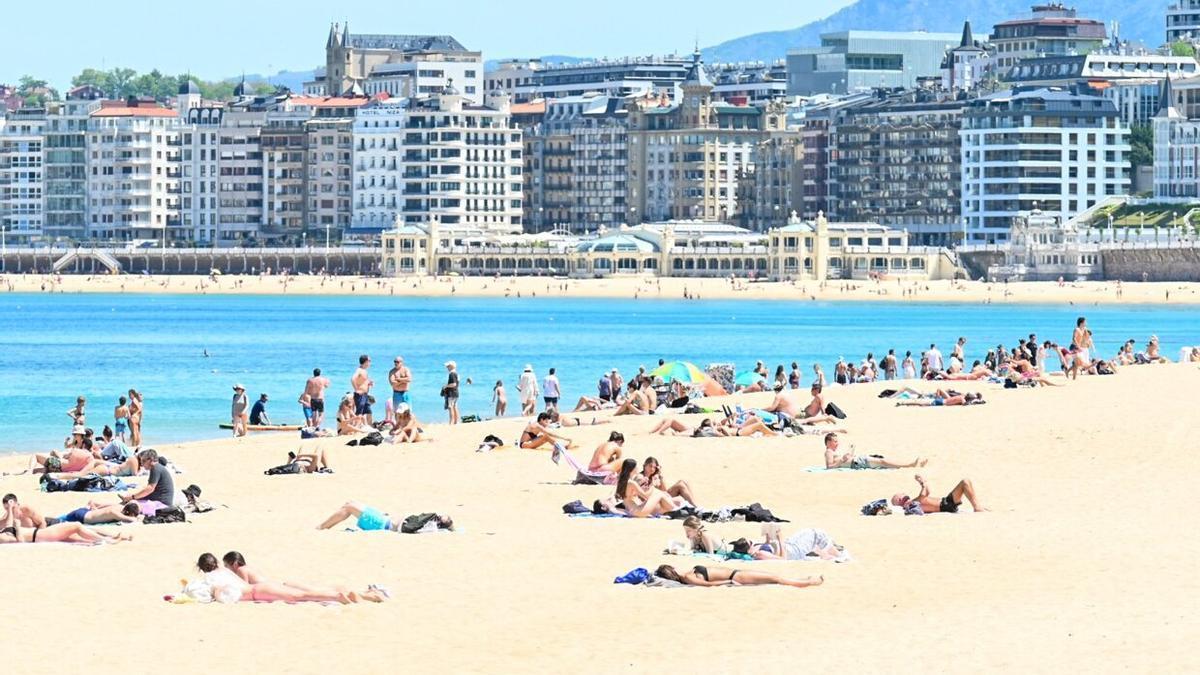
x=10 y=530
x=703 y=571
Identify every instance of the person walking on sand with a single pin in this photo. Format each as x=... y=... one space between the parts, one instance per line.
x=314 y=393
x=551 y=391
x=450 y=392
x=238 y=411
x=500 y=398
x=400 y=377
x=947 y=504
x=360 y=384
x=527 y=388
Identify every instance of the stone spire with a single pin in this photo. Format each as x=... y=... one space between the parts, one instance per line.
x=968 y=39
x=1166 y=101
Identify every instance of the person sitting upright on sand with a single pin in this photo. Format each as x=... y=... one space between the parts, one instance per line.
x=787 y=405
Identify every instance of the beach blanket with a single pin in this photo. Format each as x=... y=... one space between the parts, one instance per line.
x=821 y=469
x=600 y=515
x=583 y=476
x=86 y=484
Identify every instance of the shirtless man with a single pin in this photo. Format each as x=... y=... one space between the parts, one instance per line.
x=399 y=377
x=26 y=516
x=947 y=504
x=1082 y=340
x=943 y=398
x=787 y=404
x=360 y=384
x=850 y=461
x=314 y=392
x=607 y=456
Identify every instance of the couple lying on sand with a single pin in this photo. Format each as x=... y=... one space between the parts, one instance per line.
x=236 y=582
x=22 y=525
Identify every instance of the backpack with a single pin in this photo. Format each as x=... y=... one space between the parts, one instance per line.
x=575 y=507
x=284 y=469
x=171 y=514
x=837 y=412
x=414 y=524
x=373 y=438
x=755 y=513
x=879 y=507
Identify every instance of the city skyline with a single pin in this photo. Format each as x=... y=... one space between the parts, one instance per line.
x=100 y=37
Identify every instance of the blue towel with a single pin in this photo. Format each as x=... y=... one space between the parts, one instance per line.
x=638 y=575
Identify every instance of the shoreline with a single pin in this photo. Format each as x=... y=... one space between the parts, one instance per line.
x=1088 y=293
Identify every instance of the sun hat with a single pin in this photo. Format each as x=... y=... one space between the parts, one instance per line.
x=238 y=387
x=528 y=368
x=402 y=409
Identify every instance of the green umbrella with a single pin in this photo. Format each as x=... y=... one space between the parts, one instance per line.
x=748 y=378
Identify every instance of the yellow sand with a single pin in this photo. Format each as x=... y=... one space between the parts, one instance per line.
x=1085 y=563
x=1082 y=293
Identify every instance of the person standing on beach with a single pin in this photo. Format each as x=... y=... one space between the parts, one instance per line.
x=76 y=412
x=500 y=398
x=121 y=418
x=794 y=376
x=1082 y=340
x=450 y=392
x=617 y=383
x=551 y=391
x=136 y=410
x=360 y=384
x=314 y=392
x=527 y=388
x=889 y=365
x=958 y=353
x=909 y=367
x=237 y=411
x=400 y=377
x=934 y=357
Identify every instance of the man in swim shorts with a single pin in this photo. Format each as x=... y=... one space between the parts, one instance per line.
x=849 y=461
x=948 y=504
x=371 y=519
x=314 y=389
x=361 y=384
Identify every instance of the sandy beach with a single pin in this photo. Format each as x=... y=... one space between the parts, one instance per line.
x=1084 y=563
x=1081 y=293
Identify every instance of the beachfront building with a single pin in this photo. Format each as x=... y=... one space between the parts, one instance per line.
x=615 y=77
x=770 y=187
x=897 y=161
x=398 y=65
x=685 y=157
x=798 y=250
x=856 y=60
x=513 y=77
x=576 y=162
x=1177 y=142
x=65 y=215
x=1052 y=29
x=1038 y=149
x=22 y=179
x=133 y=181
x=753 y=83
x=1183 y=21
x=439 y=157
x=966 y=66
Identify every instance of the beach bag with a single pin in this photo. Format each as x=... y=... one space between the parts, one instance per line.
x=308 y=433
x=171 y=514
x=635 y=576
x=878 y=507
x=575 y=507
x=414 y=524
x=887 y=393
x=373 y=438
x=837 y=412
x=284 y=469
x=755 y=513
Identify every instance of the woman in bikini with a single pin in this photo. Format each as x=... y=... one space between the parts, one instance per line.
x=407 y=429
x=706 y=429
x=651 y=476
x=701 y=540
x=724 y=576
x=229 y=587
x=137 y=408
x=11 y=532
x=234 y=562
x=637 y=502
x=99 y=467
x=537 y=433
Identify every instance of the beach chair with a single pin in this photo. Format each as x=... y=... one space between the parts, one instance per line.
x=583 y=476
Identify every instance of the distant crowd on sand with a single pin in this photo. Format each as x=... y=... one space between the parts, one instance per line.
x=130 y=485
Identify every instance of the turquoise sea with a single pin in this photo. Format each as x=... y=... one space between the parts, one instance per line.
x=56 y=347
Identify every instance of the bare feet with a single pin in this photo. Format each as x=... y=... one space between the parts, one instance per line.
x=922 y=462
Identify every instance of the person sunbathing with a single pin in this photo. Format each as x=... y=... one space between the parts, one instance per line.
x=311 y=462
x=236 y=563
x=348 y=423
x=978 y=372
x=706 y=429
x=370 y=519
x=591 y=404
x=651 y=477
x=746 y=424
x=947 y=504
x=75 y=459
x=641 y=401
x=638 y=502
x=803 y=545
x=26 y=516
x=96 y=513
x=130 y=467
x=724 y=576
x=850 y=461
x=701 y=540
x=944 y=398
x=787 y=405
x=607 y=456
x=564 y=421
x=11 y=532
x=226 y=586
x=1152 y=353
x=537 y=433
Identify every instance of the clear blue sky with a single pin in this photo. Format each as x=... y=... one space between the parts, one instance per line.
x=221 y=38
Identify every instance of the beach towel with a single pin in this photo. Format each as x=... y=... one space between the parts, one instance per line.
x=599 y=515
x=821 y=469
x=85 y=484
x=658 y=582
x=583 y=476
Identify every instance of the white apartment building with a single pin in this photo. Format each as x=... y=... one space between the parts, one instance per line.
x=439 y=158
x=65 y=148
x=1041 y=149
x=221 y=183
x=421 y=77
x=1177 y=142
x=133 y=172
x=22 y=182
x=513 y=77
x=1183 y=21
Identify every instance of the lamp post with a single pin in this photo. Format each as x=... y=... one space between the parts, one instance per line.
x=327 y=226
